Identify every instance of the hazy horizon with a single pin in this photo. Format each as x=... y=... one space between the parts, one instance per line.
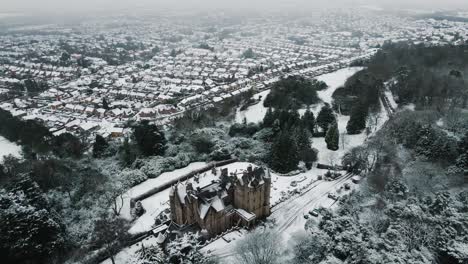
x=86 y=6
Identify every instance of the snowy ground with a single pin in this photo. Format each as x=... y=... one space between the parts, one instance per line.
x=254 y=113
x=334 y=80
x=289 y=214
x=290 y=202
x=7 y=148
x=156 y=203
x=128 y=256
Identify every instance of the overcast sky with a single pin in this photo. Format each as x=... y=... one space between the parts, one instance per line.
x=135 y=5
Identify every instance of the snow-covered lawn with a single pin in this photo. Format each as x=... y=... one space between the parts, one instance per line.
x=153 y=206
x=8 y=148
x=254 y=113
x=334 y=80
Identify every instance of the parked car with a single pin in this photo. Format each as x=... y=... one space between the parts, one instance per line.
x=306 y=216
x=314 y=212
x=332 y=196
x=293 y=184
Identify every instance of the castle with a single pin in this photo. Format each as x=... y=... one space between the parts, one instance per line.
x=231 y=199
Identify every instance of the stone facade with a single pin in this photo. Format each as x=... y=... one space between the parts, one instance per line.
x=230 y=199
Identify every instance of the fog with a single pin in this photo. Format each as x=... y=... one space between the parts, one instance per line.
x=81 y=6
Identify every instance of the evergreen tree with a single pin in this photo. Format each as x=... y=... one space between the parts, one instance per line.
x=105 y=104
x=29 y=232
x=99 y=146
x=302 y=138
x=269 y=118
x=308 y=120
x=325 y=117
x=284 y=156
x=127 y=154
x=357 y=121
x=150 y=140
x=332 y=137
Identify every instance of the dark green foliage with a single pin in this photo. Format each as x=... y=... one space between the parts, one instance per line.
x=205 y=46
x=332 y=138
x=245 y=130
x=105 y=104
x=325 y=117
x=202 y=144
x=269 y=118
x=426 y=76
x=66 y=145
x=282 y=119
x=32 y=86
x=100 y=145
x=248 y=54
x=309 y=156
x=357 y=121
x=308 y=120
x=29 y=232
x=284 y=155
x=127 y=153
x=29 y=132
x=292 y=93
x=360 y=89
x=302 y=138
x=150 y=140
x=221 y=153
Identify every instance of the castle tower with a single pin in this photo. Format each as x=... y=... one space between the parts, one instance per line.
x=267 y=193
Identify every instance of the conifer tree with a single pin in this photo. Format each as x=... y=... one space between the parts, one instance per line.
x=302 y=138
x=150 y=139
x=357 y=121
x=99 y=146
x=284 y=156
x=332 y=137
x=325 y=117
x=308 y=120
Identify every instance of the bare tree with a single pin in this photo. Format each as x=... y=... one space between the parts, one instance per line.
x=110 y=234
x=261 y=247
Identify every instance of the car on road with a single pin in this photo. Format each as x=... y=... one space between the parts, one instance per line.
x=314 y=212
x=332 y=196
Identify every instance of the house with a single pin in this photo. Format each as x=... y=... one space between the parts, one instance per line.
x=235 y=199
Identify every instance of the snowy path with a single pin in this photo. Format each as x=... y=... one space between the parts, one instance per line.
x=8 y=148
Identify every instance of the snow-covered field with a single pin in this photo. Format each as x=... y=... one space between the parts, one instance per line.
x=8 y=148
x=254 y=113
